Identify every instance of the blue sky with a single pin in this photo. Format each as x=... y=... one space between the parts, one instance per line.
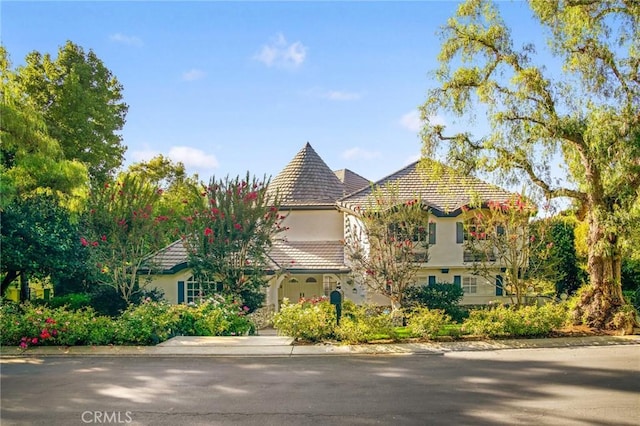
x=227 y=87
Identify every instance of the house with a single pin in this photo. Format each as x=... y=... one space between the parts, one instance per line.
x=310 y=261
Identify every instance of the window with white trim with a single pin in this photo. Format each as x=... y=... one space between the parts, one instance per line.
x=469 y=285
x=198 y=290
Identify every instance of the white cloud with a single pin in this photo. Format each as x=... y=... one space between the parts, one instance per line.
x=411 y=121
x=336 y=95
x=193 y=157
x=281 y=54
x=143 y=155
x=437 y=120
x=125 y=39
x=332 y=95
x=193 y=74
x=360 y=154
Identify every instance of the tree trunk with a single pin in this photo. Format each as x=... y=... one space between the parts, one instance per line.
x=24 y=287
x=602 y=304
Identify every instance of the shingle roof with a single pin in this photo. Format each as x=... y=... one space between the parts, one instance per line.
x=169 y=258
x=351 y=180
x=307 y=181
x=308 y=255
x=290 y=255
x=438 y=186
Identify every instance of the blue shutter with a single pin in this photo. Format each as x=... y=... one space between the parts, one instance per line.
x=459 y=233
x=499 y=288
x=457 y=280
x=432 y=280
x=432 y=233
x=180 y=291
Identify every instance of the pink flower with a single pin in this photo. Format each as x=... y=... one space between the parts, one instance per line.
x=34 y=340
x=237 y=226
x=84 y=241
x=103 y=238
x=208 y=231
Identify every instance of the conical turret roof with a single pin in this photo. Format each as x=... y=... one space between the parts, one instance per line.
x=307 y=181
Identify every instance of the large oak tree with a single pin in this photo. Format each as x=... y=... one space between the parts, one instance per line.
x=586 y=113
x=82 y=105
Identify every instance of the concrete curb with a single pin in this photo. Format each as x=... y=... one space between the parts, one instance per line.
x=277 y=346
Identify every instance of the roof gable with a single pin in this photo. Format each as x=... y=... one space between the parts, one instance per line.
x=438 y=187
x=352 y=181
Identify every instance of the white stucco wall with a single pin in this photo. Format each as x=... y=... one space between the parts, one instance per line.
x=313 y=225
x=445 y=253
x=169 y=284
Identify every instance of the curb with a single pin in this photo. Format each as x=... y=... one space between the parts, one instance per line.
x=221 y=349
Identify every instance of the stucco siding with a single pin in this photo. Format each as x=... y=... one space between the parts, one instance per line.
x=169 y=284
x=313 y=225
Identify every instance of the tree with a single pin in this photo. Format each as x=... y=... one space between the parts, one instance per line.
x=229 y=235
x=31 y=161
x=39 y=238
x=121 y=230
x=501 y=240
x=81 y=102
x=586 y=115
x=180 y=192
x=563 y=254
x=387 y=242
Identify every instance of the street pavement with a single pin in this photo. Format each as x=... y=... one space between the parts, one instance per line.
x=560 y=386
x=282 y=346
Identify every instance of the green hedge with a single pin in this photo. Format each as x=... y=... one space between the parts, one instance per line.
x=145 y=324
x=527 y=321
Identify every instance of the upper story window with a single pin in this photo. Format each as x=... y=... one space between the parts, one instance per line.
x=416 y=234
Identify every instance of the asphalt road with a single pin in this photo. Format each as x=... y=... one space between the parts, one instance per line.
x=561 y=386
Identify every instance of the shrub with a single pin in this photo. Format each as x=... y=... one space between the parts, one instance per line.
x=148 y=323
x=29 y=325
x=73 y=301
x=425 y=322
x=526 y=321
x=306 y=320
x=11 y=323
x=360 y=324
x=443 y=296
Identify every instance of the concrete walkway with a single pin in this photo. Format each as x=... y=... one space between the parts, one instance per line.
x=279 y=346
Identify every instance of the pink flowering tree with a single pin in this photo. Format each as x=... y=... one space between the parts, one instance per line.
x=121 y=231
x=500 y=239
x=387 y=243
x=228 y=237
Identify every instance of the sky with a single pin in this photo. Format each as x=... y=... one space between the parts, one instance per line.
x=231 y=87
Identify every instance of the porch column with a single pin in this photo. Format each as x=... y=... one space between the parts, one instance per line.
x=272 y=292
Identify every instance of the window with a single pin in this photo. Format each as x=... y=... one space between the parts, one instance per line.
x=469 y=285
x=475 y=255
x=198 y=290
x=474 y=230
x=402 y=231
